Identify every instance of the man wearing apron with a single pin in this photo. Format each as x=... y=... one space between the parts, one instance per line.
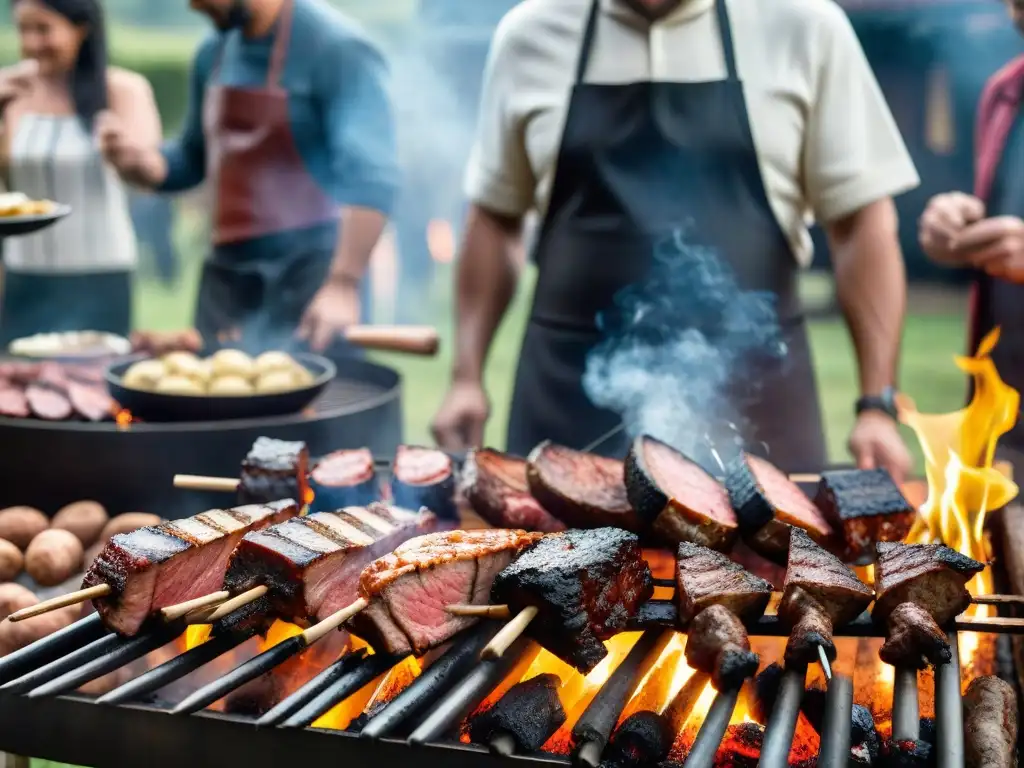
x=290 y=124
x=738 y=116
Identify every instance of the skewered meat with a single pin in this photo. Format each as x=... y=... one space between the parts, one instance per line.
x=311 y=564
x=580 y=489
x=718 y=645
x=864 y=506
x=496 y=488
x=820 y=593
x=274 y=469
x=410 y=589
x=913 y=638
x=677 y=497
x=344 y=479
x=424 y=477
x=167 y=564
x=768 y=504
x=990 y=724
x=529 y=711
x=586 y=585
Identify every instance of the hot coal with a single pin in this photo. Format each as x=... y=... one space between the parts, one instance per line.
x=272 y=470
x=424 y=478
x=529 y=711
x=864 y=737
x=495 y=486
x=256 y=697
x=344 y=479
x=927 y=730
x=366 y=716
x=864 y=506
x=741 y=747
x=643 y=738
x=907 y=754
x=766 y=690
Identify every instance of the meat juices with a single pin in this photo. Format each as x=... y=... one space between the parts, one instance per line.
x=586 y=585
x=424 y=477
x=410 y=589
x=715 y=595
x=990 y=724
x=496 y=488
x=676 y=497
x=580 y=489
x=864 y=506
x=344 y=479
x=167 y=564
x=768 y=504
x=274 y=469
x=820 y=593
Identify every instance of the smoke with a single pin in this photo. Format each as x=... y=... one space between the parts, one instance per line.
x=678 y=356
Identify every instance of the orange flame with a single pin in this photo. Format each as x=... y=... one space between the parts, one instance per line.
x=122 y=417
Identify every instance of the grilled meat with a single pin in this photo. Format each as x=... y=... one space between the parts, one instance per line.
x=424 y=477
x=312 y=564
x=768 y=504
x=344 y=479
x=820 y=593
x=990 y=724
x=529 y=711
x=717 y=644
x=167 y=564
x=410 y=589
x=586 y=585
x=676 y=497
x=54 y=391
x=274 y=469
x=580 y=489
x=914 y=640
x=495 y=486
x=863 y=506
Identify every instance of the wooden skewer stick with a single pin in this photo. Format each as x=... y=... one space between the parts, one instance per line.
x=509 y=633
x=825 y=666
x=483 y=611
x=62 y=601
x=203 y=483
x=172 y=612
x=208 y=616
x=332 y=622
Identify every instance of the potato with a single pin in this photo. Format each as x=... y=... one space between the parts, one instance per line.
x=144 y=374
x=303 y=377
x=14 y=597
x=276 y=381
x=185 y=364
x=128 y=522
x=85 y=519
x=11 y=560
x=232 y=362
x=269 y=362
x=19 y=525
x=179 y=385
x=53 y=557
x=14 y=636
x=230 y=385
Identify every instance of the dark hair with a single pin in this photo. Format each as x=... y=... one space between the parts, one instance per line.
x=88 y=80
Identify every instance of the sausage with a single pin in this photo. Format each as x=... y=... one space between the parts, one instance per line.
x=91 y=401
x=128 y=522
x=53 y=557
x=47 y=403
x=16 y=635
x=990 y=724
x=13 y=403
x=85 y=519
x=11 y=560
x=14 y=597
x=19 y=525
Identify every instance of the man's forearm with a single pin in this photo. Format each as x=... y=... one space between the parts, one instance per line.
x=871 y=284
x=358 y=232
x=149 y=172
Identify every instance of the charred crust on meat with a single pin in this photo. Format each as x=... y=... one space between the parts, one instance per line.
x=705 y=577
x=496 y=487
x=274 y=469
x=863 y=506
x=748 y=499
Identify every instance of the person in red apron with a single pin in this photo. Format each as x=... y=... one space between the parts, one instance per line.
x=290 y=125
x=657 y=133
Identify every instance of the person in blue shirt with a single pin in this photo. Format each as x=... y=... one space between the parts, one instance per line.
x=291 y=125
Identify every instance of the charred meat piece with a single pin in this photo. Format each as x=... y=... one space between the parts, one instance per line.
x=312 y=564
x=529 y=711
x=344 y=479
x=410 y=589
x=274 y=469
x=495 y=486
x=154 y=567
x=717 y=644
x=580 y=489
x=676 y=497
x=990 y=724
x=424 y=477
x=820 y=593
x=914 y=639
x=768 y=504
x=586 y=585
x=863 y=506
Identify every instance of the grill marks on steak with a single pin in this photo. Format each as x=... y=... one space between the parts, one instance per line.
x=580 y=489
x=163 y=565
x=274 y=469
x=586 y=585
x=863 y=506
x=496 y=488
x=409 y=590
x=677 y=497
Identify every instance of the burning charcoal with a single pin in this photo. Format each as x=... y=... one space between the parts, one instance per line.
x=766 y=690
x=812 y=704
x=344 y=479
x=255 y=697
x=360 y=722
x=586 y=585
x=864 y=737
x=927 y=725
x=424 y=477
x=990 y=724
x=865 y=506
x=908 y=754
x=273 y=470
x=495 y=486
x=741 y=747
x=642 y=739
x=530 y=712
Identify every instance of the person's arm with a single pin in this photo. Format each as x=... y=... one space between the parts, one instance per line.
x=131 y=99
x=184 y=158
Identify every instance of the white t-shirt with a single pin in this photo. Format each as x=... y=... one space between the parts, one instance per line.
x=826 y=141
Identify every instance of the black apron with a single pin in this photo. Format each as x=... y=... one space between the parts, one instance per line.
x=637 y=162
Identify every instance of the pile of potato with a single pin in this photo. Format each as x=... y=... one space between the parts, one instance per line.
x=228 y=372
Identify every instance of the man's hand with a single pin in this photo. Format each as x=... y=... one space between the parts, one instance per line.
x=334 y=307
x=995 y=245
x=943 y=221
x=138 y=164
x=16 y=81
x=459 y=424
x=875 y=442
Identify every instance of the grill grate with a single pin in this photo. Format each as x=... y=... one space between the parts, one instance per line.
x=344 y=394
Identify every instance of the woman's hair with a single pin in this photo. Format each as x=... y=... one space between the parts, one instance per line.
x=88 y=79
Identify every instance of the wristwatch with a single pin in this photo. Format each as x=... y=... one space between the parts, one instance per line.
x=884 y=402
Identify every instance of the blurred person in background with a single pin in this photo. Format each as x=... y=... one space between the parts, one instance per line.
x=76 y=275
x=153 y=216
x=622 y=120
x=290 y=122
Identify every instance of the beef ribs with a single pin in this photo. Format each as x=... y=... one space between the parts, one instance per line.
x=344 y=479
x=863 y=506
x=580 y=489
x=274 y=469
x=410 y=589
x=768 y=505
x=586 y=585
x=173 y=562
x=312 y=564
x=676 y=497
x=990 y=724
x=424 y=477
x=914 y=639
x=820 y=593
x=496 y=488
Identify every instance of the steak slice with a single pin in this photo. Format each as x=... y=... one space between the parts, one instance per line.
x=496 y=488
x=344 y=479
x=864 y=506
x=410 y=589
x=676 y=497
x=90 y=401
x=820 y=593
x=580 y=489
x=424 y=477
x=586 y=585
x=274 y=469
x=768 y=504
x=167 y=564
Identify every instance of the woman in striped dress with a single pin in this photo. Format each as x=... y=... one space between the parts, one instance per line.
x=76 y=275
